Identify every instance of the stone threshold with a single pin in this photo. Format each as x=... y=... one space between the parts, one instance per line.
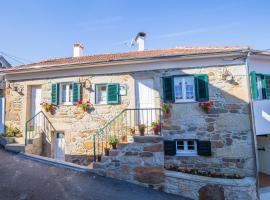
x=244 y=182
x=57 y=163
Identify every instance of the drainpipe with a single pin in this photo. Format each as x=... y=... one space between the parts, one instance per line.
x=253 y=124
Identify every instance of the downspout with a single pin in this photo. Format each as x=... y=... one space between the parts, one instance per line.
x=253 y=124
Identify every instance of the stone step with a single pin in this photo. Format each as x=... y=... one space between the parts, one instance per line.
x=105 y=158
x=114 y=152
x=19 y=140
x=15 y=147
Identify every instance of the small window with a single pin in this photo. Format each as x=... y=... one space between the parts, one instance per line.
x=184 y=89
x=66 y=93
x=186 y=147
x=101 y=94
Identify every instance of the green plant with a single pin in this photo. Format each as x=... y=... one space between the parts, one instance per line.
x=156 y=127
x=141 y=128
x=7 y=135
x=84 y=105
x=114 y=141
x=47 y=106
x=166 y=107
x=11 y=131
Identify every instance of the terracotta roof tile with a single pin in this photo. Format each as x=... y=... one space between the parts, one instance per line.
x=130 y=55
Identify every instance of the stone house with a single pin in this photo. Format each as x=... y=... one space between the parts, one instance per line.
x=126 y=90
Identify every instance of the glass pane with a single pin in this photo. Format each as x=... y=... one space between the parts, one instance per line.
x=64 y=93
x=191 y=145
x=178 y=89
x=102 y=94
x=189 y=82
x=70 y=93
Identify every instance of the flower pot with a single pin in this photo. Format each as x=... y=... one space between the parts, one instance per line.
x=156 y=131
x=124 y=139
x=114 y=146
x=47 y=110
x=107 y=151
x=84 y=109
x=141 y=132
x=207 y=109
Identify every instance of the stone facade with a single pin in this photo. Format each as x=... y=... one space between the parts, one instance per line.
x=227 y=125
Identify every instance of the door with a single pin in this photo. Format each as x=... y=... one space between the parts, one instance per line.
x=145 y=101
x=60 y=146
x=35 y=104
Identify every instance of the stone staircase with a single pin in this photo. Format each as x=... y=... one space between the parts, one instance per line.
x=139 y=162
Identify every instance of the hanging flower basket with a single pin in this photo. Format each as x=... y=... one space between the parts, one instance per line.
x=84 y=105
x=206 y=106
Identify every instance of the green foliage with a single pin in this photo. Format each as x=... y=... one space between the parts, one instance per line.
x=114 y=140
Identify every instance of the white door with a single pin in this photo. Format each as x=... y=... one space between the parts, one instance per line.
x=60 y=146
x=2 y=114
x=35 y=105
x=145 y=100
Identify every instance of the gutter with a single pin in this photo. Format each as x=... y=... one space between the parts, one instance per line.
x=144 y=59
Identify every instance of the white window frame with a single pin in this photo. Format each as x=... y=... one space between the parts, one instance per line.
x=183 y=80
x=97 y=92
x=68 y=93
x=186 y=151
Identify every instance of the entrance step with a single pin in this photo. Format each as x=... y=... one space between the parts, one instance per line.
x=13 y=147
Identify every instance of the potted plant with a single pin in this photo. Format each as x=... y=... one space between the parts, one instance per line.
x=156 y=127
x=48 y=107
x=107 y=151
x=141 y=129
x=124 y=138
x=99 y=158
x=83 y=105
x=206 y=106
x=114 y=142
x=166 y=108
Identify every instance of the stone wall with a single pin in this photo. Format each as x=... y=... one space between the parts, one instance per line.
x=227 y=126
x=200 y=187
x=140 y=162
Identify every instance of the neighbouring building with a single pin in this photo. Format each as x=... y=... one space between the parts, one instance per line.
x=219 y=113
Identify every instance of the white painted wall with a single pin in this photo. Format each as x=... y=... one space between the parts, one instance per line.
x=264 y=156
x=261 y=108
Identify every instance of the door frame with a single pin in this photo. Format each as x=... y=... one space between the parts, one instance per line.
x=136 y=92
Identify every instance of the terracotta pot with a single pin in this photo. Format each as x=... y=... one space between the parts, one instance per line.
x=207 y=109
x=124 y=139
x=47 y=109
x=141 y=132
x=114 y=146
x=156 y=131
x=84 y=109
x=107 y=151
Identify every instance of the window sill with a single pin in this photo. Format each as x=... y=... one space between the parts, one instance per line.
x=67 y=104
x=186 y=154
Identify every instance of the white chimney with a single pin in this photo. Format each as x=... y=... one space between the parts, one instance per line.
x=77 y=50
x=140 y=40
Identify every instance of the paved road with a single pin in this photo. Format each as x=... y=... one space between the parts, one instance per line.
x=22 y=179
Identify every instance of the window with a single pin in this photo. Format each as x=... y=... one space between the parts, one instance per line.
x=66 y=93
x=101 y=94
x=260 y=85
x=186 y=147
x=184 y=89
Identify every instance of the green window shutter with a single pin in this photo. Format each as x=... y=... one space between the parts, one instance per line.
x=253 y=80
x=76 y=87
x=169 y=147
x=204 y=148
x=168 y=89
x=55 y=94
x=201 y=86
x=266 y=84
x=113 y=93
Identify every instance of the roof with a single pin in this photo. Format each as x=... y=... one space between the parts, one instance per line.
x=131 y=55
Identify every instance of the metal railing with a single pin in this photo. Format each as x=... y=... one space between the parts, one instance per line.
x=127 y=122
x=39 y=125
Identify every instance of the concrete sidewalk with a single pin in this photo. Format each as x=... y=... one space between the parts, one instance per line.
x=23 y=179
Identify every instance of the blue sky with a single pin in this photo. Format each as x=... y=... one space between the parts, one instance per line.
x=40 y=29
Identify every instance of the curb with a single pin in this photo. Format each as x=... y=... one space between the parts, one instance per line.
x=57 y=163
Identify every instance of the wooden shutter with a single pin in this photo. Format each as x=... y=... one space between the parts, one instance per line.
x=201 y=85
x=253 y=80
x=170 y=147
x=204 y=148
x=168 y=89
x=267 y=86
x=55 y=94
x=76 y=93
x=113 y=93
